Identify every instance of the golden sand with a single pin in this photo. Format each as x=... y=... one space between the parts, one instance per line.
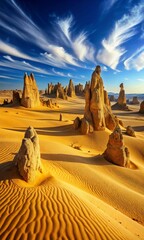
x=79 y=195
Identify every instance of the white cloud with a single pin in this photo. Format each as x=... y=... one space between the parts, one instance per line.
x=107 y=5
x=22 y=65
x=79 y=43
x=7 y=77
x=123 y=30
x=104 y=68
x=23 y=27
x=9 y=58
x=9 y=49
x=63 y=74
x=136 y=61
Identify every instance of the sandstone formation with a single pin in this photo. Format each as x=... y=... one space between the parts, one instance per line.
x=60 y=117
x=116 y=151
x=112 y=98
x=130 y=131
x=16 y=97
x=77 y=123
x=122 y=96
x=97 y=114
x=141 y=107
x=30 y=95
x=79 y=89
x=135 y=101
x=71 y=89
x=27 y=159
x=57 y=90
x=47 y=103
x=121 y=102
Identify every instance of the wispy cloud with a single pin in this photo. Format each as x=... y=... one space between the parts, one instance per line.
x=136 y=61
x=61 y=74
x=21 y=65
x=107 y=5
x=9 y=49
x=123 y=30
x=79 y=43
x=23 y=27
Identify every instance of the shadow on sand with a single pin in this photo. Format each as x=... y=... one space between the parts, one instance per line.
x=66 y=130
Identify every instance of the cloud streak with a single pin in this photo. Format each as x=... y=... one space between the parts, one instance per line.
x=136 y=61
x=79 y=43
x=123 y=30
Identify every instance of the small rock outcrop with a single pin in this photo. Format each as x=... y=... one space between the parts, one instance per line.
x=79 y=89
x=97 y=114
x=135 y=101
x=71 y=89
x=57 y=91
x=77 y=123
x=28 y=159
x=112 y=98
x=121 y=102
x=122 y=96
x=30 y=95
x=16 y=97
x=141 y=107
x=130 y=131
x=116 y=151
x=61 y=117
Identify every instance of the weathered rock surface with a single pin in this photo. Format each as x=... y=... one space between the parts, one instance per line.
x=97 y=112
x=77 y=123
x=30 y=95
x=122 y=96
x=84 y=126
x=130 y=131
x=16 y=97
x=57 y=90
x=135 y=101
x=28 y=158
x=121 y=102
x=71 y=89
x=116 y=151
x=112 y=98
x=79 y=89
x=141 y=107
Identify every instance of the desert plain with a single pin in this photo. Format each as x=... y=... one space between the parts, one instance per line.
x=79 y=195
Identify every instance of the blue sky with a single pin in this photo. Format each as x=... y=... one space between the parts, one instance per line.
x=59 y=40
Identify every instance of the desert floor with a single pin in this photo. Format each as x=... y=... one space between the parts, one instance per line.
x=79 y=195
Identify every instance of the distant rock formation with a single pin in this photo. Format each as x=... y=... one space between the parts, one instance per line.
x=16 y=97
x=30 y=95
x=130 y=131
x=116 y=151
x=57 y=90
x=97 y=114
x=28 y=158
x=71 y=89
x=122 y=102
x=141 y=107
x=135 y=101
x=79 y=89
x=112 y=98
x=48 y=103
x=122 y=96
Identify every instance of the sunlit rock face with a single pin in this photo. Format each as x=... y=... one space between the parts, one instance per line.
x=28 y=159
x=116 y=151
x=122 y=96
x=71 y=89
x=30 y=95
x=97 y=114
x=141 y=107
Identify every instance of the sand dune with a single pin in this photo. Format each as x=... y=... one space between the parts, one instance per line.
x=79 y=195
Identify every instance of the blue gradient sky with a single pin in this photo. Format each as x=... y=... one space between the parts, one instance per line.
x=59 y=40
